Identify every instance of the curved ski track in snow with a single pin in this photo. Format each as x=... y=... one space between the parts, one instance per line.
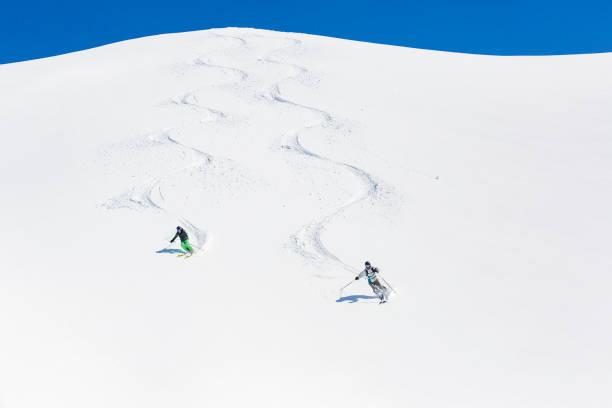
x=149 y=195
x=190 y=100
x=307 y=241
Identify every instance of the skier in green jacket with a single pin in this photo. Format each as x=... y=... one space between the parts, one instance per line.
x=180 y=232
x=371 y=273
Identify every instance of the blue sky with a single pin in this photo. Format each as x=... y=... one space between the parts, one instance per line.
x=38 y=29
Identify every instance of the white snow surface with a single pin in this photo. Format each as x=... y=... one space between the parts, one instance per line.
x=481 y=186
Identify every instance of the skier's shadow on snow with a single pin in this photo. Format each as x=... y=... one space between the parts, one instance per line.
x=354 y=298
x=169 y=251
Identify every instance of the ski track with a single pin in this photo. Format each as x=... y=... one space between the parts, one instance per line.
x=190 y=100
x=307 y=241
x=242 y=75
x=149 y=195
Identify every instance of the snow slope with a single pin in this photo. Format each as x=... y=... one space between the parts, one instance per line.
x=481 y=186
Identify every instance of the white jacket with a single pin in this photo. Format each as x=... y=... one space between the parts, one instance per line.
x=371 y=274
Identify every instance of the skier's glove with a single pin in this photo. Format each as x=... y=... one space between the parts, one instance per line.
x=356 y=277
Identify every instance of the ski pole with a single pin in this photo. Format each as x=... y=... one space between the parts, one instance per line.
x=387 y=283
x=347 y=284
x=342 y=288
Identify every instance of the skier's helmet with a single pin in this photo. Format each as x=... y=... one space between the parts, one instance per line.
x=368 y=264
x=178 y=228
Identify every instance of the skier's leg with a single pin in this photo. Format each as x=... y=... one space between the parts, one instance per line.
x=375 y=289
x=380 y=290
x=187 y=246
x=384 y=291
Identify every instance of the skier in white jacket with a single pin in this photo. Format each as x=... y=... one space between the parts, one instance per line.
x=371 y=273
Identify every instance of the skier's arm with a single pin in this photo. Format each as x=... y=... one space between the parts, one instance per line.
x=175 y=235
x=361 y=275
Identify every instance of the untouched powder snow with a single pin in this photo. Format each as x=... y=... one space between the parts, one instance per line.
x=481 y=186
